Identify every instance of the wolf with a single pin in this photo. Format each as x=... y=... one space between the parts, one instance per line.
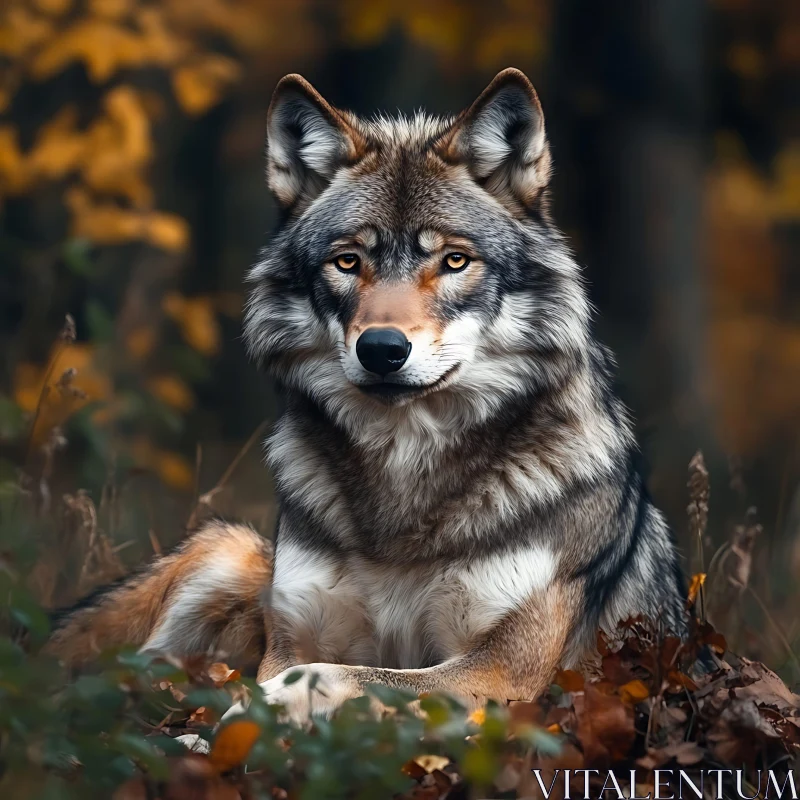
x=461 y=500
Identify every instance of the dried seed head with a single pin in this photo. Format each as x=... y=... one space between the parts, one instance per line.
x=699 y=494
x=64 y=384
x=68 y=333
x=67 y=376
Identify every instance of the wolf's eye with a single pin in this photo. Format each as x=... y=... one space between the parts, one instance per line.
x=347 y=262
x=455 y=262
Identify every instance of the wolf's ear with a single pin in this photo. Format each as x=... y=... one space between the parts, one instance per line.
x=307 y=141
x=501 y=140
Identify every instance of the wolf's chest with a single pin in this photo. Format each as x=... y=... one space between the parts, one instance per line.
x=355 y=611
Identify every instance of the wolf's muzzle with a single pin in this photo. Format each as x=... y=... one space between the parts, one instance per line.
x=382 y=350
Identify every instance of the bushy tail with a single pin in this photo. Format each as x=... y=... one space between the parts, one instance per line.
x=207 y=596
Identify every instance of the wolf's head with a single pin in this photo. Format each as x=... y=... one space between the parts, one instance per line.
x=416 y=271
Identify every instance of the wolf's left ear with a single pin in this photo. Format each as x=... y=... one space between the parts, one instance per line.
x=501 y=140
x=307 y=141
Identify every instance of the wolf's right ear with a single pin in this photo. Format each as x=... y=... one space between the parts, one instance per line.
x=307 y=141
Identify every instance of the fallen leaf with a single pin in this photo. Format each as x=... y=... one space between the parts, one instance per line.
x=233 y=743
x=698 y=580
x=605 y=726
x=684 y=753
x=569 y=680
x=221 y=673
x=634 y=691
x=430 y=762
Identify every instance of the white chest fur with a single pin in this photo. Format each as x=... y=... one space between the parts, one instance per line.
x=354 y=611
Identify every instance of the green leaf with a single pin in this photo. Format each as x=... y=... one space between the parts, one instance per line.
x=293 y=677
x=392 y=698
x=76 y=255
x=99 y=322
x=12 y=419
x=479 y=765
x=546 y=743
x=140 y=749
x=190 y=364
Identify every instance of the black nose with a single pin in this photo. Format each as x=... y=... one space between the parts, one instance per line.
x=382 y=350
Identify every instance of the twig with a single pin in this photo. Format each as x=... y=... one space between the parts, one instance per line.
x=206 y=498
x=241 y=454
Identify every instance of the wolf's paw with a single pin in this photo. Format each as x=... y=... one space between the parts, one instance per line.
x=318 y=691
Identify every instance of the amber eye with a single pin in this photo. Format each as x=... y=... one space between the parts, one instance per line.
x=455 y=262
x=347 y=262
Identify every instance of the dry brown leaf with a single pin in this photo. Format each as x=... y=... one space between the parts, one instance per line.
x=684 y=753
x=605 y=726
x=431 y=762
x=221 y=673
x=767 y=688
x=569 y=680
x=201 y=716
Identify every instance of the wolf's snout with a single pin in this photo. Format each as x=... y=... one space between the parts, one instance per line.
x=382 y=350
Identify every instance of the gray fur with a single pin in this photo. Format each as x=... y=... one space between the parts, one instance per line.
x=528 y=443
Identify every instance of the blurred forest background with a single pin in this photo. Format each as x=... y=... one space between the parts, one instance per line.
x=132 y=198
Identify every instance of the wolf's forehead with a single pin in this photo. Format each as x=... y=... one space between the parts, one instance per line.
x=402 y=131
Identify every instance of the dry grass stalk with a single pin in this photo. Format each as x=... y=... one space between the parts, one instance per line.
x=100 y=564
x=205 y=501
x=699 y=495
x=66 y=337
x=742 y=544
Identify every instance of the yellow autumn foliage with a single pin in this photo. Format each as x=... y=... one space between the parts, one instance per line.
x=105 y=47
x=119 y=147
x=61 y=387
x=29 y=380
x=751 y=347
x=170 y=467
x=21 y=31
x=196 y=317
x=175 y=470
x=172 y=391
x=110 y=156
x=111 y=9
x=108 y=223
x=54 y=7
x=200 y=85
x=140 y=342
x=515 y=30
x=13 y=169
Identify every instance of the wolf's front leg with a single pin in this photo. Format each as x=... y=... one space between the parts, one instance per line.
x=514 y=661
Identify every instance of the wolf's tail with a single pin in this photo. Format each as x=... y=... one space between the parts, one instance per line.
x=208 y=595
